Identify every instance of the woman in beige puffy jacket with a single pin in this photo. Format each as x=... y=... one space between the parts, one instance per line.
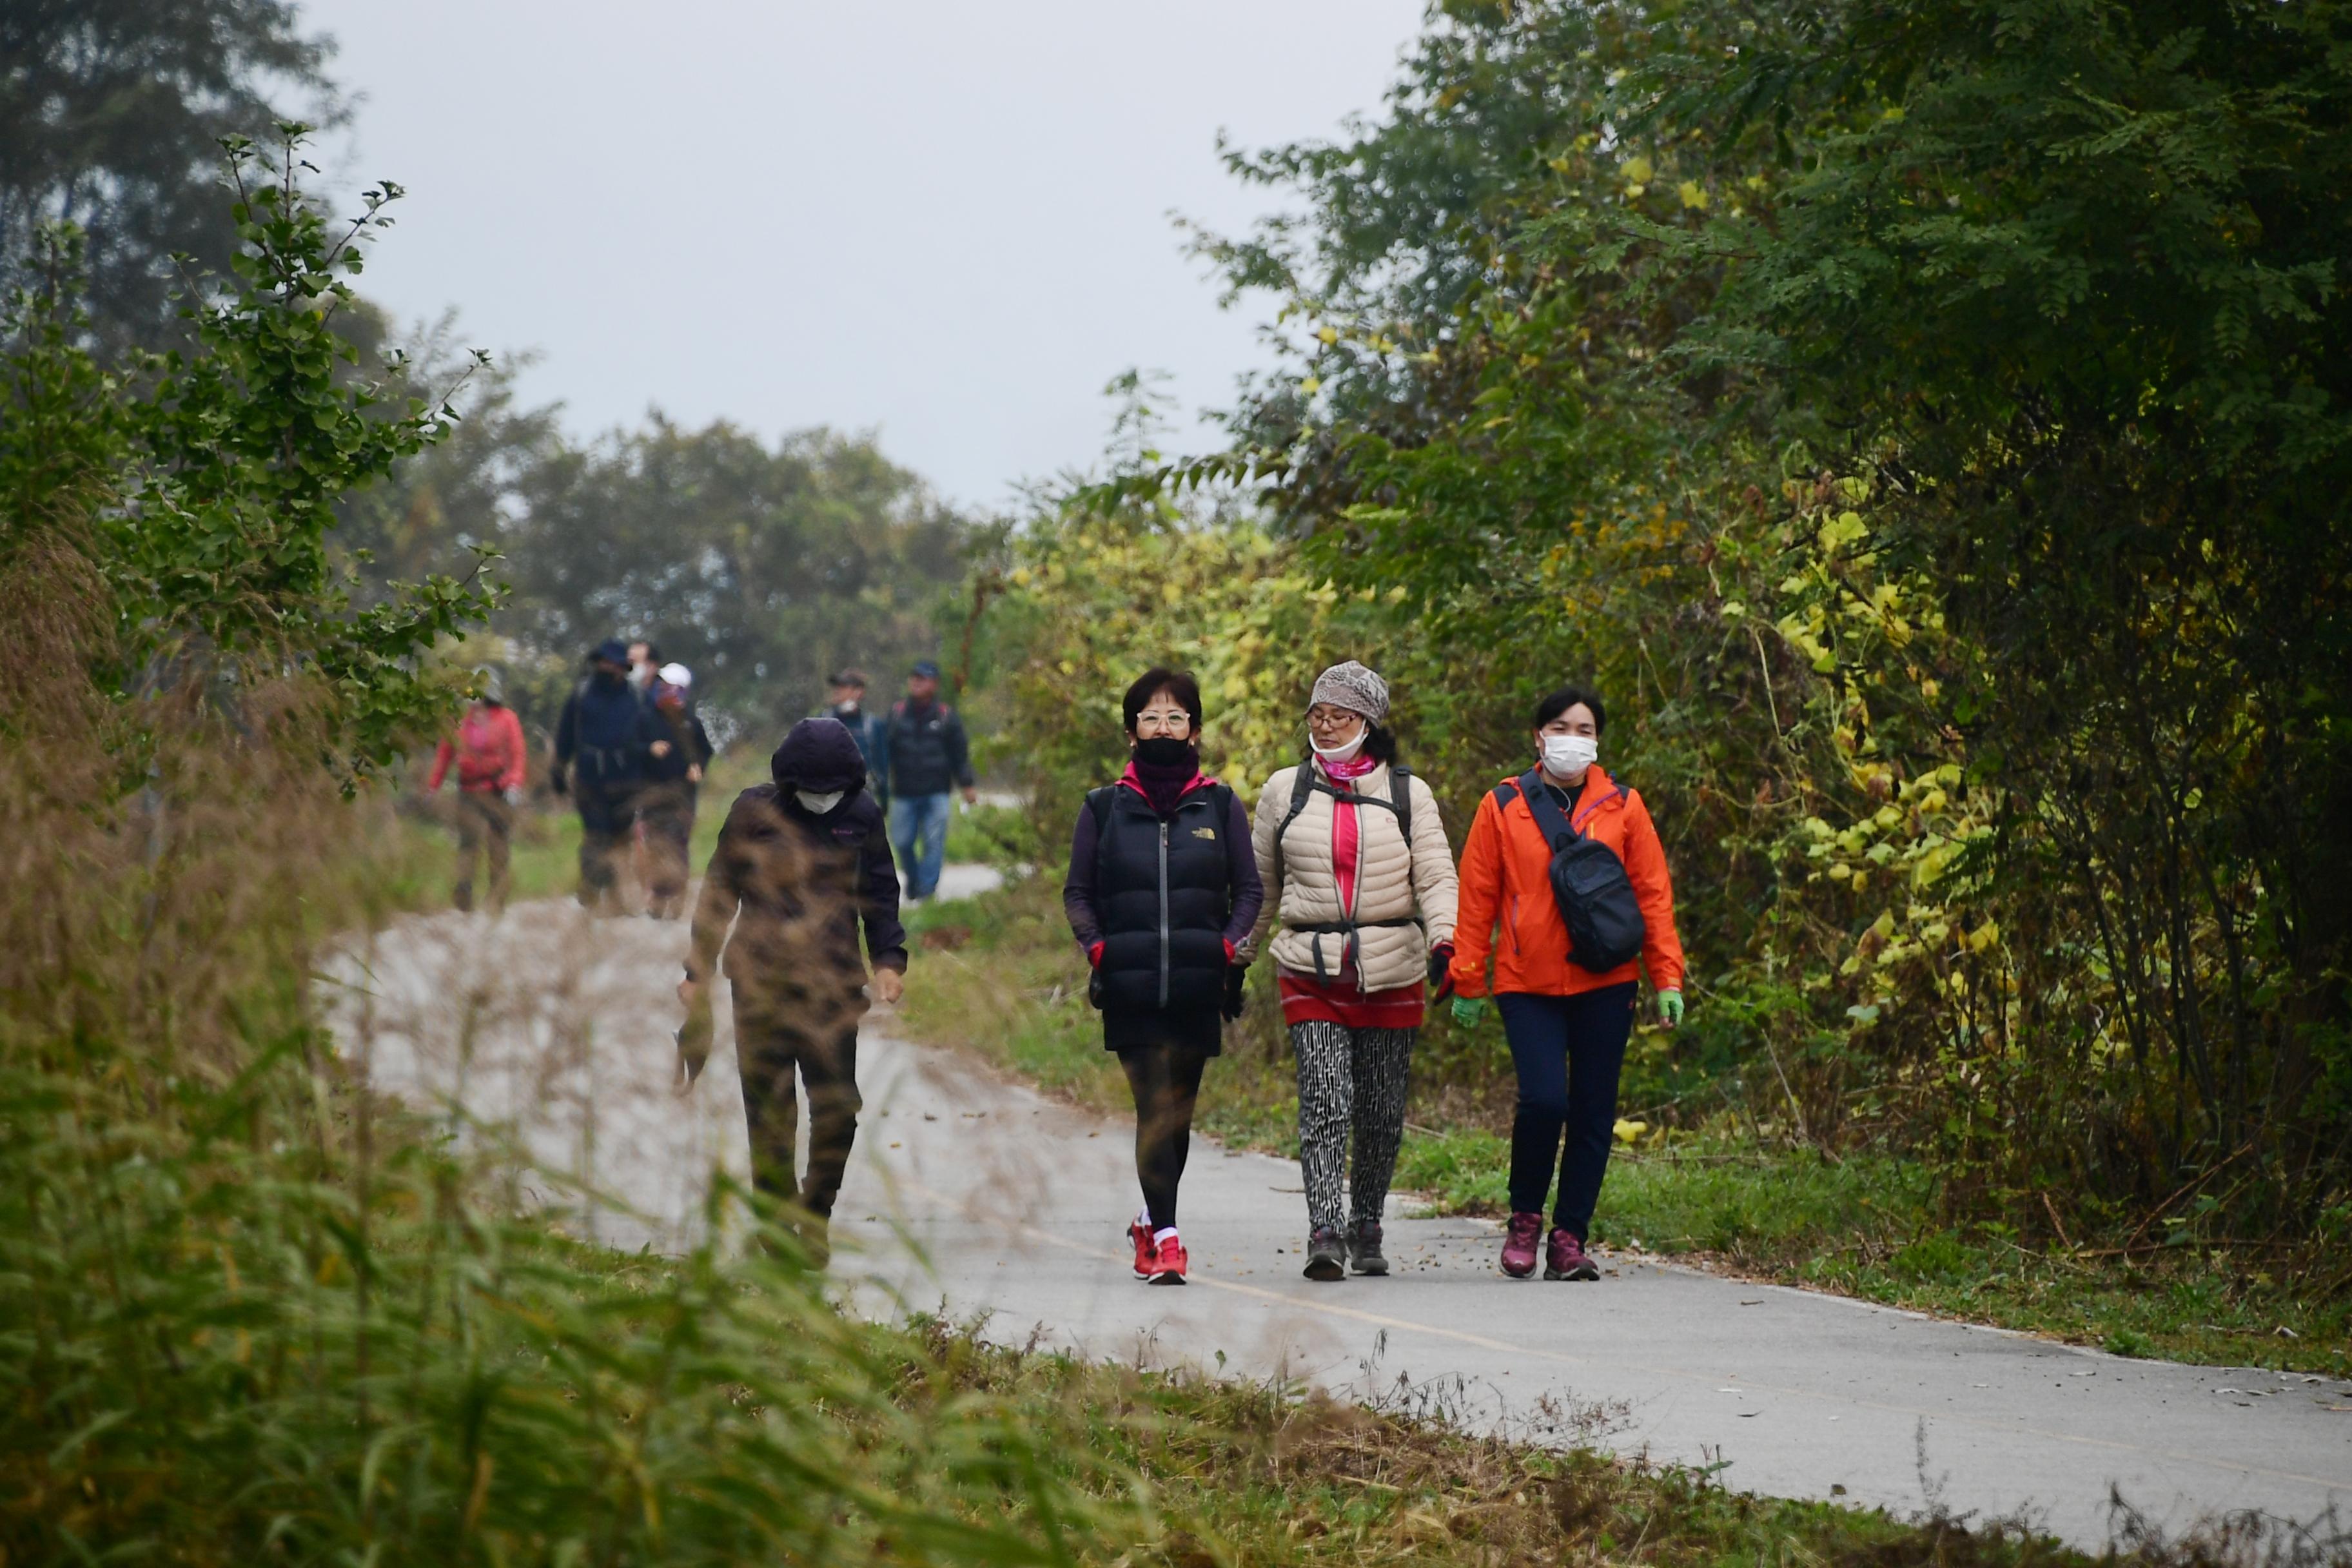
x=1355 y=860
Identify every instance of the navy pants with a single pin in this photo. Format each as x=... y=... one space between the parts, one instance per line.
x=1568 y=1051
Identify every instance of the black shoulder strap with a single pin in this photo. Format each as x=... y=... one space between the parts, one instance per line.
x=1556 y=828
x=1400 y=796
x=1301 y=786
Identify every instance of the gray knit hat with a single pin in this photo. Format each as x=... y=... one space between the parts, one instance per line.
x=1354 y=688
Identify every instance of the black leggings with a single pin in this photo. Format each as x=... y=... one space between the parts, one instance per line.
x=1166 y=1082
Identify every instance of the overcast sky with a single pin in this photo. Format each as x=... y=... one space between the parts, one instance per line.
x=943 y=220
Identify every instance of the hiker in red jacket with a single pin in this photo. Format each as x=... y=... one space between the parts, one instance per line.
x=488 y=750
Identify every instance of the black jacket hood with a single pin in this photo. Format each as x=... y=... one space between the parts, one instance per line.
x=818 y=755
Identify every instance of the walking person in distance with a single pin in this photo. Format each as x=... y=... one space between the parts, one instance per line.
x=490 y=755
x=1354 y=859
x=603 y=742
x=928 y=754
x=802 y=870
x=1162 y=891
x=673 y=786
x=1564 y=887
x=845 y=700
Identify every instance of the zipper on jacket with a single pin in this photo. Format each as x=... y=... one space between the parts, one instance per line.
x=1164 y=911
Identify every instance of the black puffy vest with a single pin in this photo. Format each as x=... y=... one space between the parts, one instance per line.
x=1163 y=894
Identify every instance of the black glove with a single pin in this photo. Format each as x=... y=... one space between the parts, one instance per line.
x=555 y=778
x=1234 y=974
x=1440 y=970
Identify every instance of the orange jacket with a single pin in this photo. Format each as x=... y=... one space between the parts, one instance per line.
x=1506 y=884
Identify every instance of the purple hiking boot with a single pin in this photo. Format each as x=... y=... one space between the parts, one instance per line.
x=1565 y=1258
x=1519 y=1245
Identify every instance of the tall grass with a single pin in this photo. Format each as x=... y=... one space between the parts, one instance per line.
x=250 y=1312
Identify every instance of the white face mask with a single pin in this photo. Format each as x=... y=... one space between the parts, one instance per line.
x=1566 y=756
x=1343 y=753
x=818 y=804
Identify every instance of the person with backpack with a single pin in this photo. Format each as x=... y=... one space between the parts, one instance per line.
x=1564 y=886
x=845 y=700
x=672 y=788
x=490 y=755
x=1162 y=891
x=802 y=870
x=926 y=753
x=604 y=740
x=1354 y=859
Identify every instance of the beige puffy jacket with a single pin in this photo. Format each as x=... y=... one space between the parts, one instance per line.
x=1393 y=880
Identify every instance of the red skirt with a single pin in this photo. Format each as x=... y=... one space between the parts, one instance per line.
x=1306 y=1000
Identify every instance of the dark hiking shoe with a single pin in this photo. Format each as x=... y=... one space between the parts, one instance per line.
x=1565 y=1258
x=1519 y=1245
x=816 y=1239
x=1364 y=1249
x=1326 y=1257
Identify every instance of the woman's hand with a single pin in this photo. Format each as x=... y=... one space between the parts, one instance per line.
x=1440 y=970
x=1468 y=1010
x=1670 y=1009
x=888 y=987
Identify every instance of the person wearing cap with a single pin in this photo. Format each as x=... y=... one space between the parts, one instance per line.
x=845 y=700
x=674 y=766
x=1355 y=862
x=488 y=750
x=802 y=866
x=927 y=754
x=602 y=741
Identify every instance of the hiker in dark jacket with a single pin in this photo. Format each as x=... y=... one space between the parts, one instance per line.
x=673 y=784
x=846 y=701
x=803 y=865
x=927 y=754
x=603 y=742
x=1163 y=889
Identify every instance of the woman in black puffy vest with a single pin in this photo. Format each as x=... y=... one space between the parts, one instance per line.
x=1163 y=886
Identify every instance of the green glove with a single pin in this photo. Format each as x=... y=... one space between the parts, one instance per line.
x=1468 y=1010
x=1670 y=1008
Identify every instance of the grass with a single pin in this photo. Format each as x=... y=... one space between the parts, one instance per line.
x=1000 y=976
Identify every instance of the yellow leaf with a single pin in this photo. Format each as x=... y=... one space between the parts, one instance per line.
x=1627 y=1131
x=1692 y=193
x=1638 y=170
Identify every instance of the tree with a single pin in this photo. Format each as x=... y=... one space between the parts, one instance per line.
x=111 y=117
x=763 y=569
x=202 y=487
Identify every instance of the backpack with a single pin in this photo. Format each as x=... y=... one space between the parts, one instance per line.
x=1303 y=788
x=1596 y=901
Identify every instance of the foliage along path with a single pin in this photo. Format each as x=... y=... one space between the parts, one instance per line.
x=983 y=1198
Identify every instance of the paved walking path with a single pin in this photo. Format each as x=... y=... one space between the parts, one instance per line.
x=979 y=1196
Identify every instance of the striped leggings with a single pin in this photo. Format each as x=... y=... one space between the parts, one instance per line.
x=1350 y=1080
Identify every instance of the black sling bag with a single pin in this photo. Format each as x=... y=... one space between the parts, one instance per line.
x=1588 y=882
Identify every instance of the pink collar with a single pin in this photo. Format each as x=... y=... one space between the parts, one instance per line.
x=1355 y=767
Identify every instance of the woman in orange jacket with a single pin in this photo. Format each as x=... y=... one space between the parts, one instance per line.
x=1566 y=1024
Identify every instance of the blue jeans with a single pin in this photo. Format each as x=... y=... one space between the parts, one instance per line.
x=919 y=832
x=1568 y=1051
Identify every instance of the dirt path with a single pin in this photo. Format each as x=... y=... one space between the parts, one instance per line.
x=980 y=1197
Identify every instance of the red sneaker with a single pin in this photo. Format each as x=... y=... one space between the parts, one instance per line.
x=1167 y=1268
x=1565 y=1258
x=1147 y=1251
x=1519 y=1245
